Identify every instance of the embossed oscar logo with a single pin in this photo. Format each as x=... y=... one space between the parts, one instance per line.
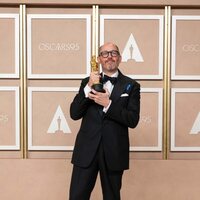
x=3 y=118
x=59 y=123
x=59 y=46
x=132 y=51
x=191 y=48
x=196 y=126
x=146 y=120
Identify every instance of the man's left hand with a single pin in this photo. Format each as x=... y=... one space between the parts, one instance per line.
x=100 y=98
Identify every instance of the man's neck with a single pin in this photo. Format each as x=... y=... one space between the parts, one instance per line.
x=112 y=74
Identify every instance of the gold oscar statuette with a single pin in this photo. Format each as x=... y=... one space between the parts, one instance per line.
x=95 y=68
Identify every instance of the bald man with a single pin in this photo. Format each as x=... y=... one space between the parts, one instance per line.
x=102 y=143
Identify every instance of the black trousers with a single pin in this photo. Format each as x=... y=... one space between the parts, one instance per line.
x=83 y=180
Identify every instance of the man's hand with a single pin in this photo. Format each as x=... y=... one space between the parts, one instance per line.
x=94 y=78
x=100 y=98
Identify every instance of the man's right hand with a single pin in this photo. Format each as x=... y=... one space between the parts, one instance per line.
x=94 y=78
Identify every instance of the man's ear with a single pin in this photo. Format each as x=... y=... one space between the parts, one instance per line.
x=120 y=59
x=98 y=59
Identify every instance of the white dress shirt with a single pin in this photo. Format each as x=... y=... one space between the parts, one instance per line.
x=108 y=85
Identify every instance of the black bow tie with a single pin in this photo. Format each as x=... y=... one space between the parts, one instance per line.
x=106 y=78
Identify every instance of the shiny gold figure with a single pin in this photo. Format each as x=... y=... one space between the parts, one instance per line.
x=95 y=68
x=94 y=64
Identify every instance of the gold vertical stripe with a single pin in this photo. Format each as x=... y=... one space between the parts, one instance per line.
x=165 y=130
x=166 y=138
x=97 y=30
x=21 y=82
x=25 y=153
x=93 y=30
x=169 y=77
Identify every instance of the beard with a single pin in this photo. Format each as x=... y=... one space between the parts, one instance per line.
x=110 y=65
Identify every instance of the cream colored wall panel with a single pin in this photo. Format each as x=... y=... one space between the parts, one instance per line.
x=9 y=45
x=140 y=39
x=9 y=118
x=59 y=45
x=185 y=47
x=147 y=136
x=185 y=119
x=49 y=124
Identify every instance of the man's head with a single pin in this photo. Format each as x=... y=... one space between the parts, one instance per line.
x=109 y=58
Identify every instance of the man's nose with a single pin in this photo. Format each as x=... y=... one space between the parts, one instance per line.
x=110 y=54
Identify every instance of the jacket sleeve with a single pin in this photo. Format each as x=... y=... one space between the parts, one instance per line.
x=127 y=114
x=80 y=103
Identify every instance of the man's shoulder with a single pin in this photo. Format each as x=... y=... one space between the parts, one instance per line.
x=128 y=79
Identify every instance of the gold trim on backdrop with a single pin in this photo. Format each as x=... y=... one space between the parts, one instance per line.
x=166 y=83
x=21 y=83
x=25 y=83
x=169 y=79
x=23 y=80
x=93 y=30
x=97 y=30
x=94 y=65
x=165 y=135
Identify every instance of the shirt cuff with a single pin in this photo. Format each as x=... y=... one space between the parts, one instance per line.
x=105 y=109
x=87 y=90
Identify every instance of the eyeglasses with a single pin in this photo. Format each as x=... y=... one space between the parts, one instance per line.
x=113 y=53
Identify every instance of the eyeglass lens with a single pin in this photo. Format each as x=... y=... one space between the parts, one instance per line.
x=113 y=53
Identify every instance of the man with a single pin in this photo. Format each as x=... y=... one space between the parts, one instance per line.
x=102 y=143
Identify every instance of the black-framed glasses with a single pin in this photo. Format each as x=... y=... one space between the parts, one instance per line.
x=113 y=53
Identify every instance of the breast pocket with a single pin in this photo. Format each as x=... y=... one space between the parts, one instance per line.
x=123 y=100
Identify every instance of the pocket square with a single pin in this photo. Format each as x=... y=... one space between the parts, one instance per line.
x=124 y=95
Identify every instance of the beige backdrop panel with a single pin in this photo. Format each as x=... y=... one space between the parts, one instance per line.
x=148 y=134
x=56 y=49
x=185 y=47
x=187 y=109
x=50 y=125
x=9 y=118
x=142 y=43
x=9 y=45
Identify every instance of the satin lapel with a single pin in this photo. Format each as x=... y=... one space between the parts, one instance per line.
x=118 y=88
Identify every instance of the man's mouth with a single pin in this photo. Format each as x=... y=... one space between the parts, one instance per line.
x=110 y=61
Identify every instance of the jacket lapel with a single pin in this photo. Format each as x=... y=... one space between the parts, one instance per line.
x=118 y=88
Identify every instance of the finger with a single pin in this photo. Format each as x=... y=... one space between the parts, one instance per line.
x=107 y=92
x=90 y=95
x=94 y=91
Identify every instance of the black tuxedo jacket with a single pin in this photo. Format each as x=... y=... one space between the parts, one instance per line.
x=110 y=128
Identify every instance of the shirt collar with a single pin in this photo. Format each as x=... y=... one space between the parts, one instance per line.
x=113 y=75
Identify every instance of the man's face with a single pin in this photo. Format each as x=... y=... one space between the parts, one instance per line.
x=109 y=61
